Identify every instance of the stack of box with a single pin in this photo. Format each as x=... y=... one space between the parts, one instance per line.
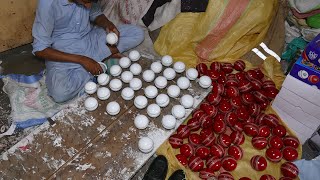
x=298 y=102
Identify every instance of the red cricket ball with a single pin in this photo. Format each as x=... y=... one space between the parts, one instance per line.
x=231 y=82
x=268 y=84
x=259 y=163
x=290 y=153
x=222 y=79
x=279 y=131
x=238 y=127
x=260 y=119
x=182 y=159
x=206 y=174
x=217 y=150
x=256 y=85
x=194 y=139
x=244 y=178
x=224 y=140
x=288 y=169
x=213 y=98
x=264 y=105
x=193 y=124
x=225 y=106
x=219 y=117
x=210 y=110
x=250 y=129
x=242 y=113
x=231 y=118
x=271 y=92
x=219 y=126
x=206 y=122
x=251 y=75
x=259 y=142
x=274 y=155
x=254 y=109
x=215 y=66
x=225 y=176
x=240 y=76
x=232 y=76
x=272 y=120
x=239 y=65
x=227 y=68
x=218 y=89
x=291 y=141
x=207 y=137
x=244 y=86
x=176 y=141
x=260 y=96
x=285 y=178
x=229 y=163
x=203 y=152
x=259 y=73
x=267 y=177
x=214 y=163
x=275 y=142
x=235 y=151
x=232 y=91
x=237 y=137
x=202 y=69
x=198 y=113
x=236 y=102
x=247 y=98
x=264 y=131
x=196 y=164
x=187 y=150
x=214 y=75
x=183 y=131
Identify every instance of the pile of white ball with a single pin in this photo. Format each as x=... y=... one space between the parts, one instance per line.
x=118 y=77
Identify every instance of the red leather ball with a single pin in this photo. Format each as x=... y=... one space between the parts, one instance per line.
x=214 y=163
x=195 y=163
x=218 y=88
x=267 y=177
x=217 y=150
x=254 y=109
x=259 y=142
x=251 y=129
x=260 y=119
x=291 y=141
x=264 y=105
x=232 y=76
x=214 y=99
x=260 y=96
x=259 y=73
x=203 y=152
x=225 y=176
x=207 y=174
x=225 y=107
x=271 y=92
x=251 y=75
x=231 y=118
x=176 y=141
x=240 y=76
x=187 y=150
x=235 y=151
x=242 y=113
x=229 y=163
x=238 y=127
x=275 y=142
x=239 y=65
x=202 y=69
x=274 y=155
x=232 y=91
x=207 y=137
x=194 y=139
x=224 y=140
x=290 y=153
x=236 y=102
x=198 y=113
x=237 y=137
x=264 y=131
x=183 y=131
x=219 y=127
x=215 y=66
x=288 y=169
x=227 y=67
x=210 y=110
x=268 y=84
x=182 y=159
x=247 y=98
x=219 y=117
x=272 y=120
x=206 y=122
x=193 y=124
x=279 y=131
x=256 y=85
x=214 y=75
x=259 y=163
x=222 y=80
x=244 y=86
x=232 y=82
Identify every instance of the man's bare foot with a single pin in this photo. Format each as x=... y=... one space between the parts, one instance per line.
x=117 y=55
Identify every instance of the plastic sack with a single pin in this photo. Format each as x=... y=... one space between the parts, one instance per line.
x=228 y=29
x=272 y=69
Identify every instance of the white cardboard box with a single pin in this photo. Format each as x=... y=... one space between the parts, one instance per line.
x=298 y=104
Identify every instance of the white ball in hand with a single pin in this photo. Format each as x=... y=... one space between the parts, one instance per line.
x=112 y=38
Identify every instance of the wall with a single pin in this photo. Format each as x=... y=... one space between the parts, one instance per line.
x=16 y=19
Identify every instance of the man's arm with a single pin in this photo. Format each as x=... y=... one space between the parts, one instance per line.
x=103 y=21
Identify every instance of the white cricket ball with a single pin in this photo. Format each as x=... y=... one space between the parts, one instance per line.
x=112 y=38
x=179 y=67
x=134 y=55
x=187 y=101
x=90 y=87
x=135 y=69
x=192 y=74
x=126 y=76
x=103 y=93
x=145 y=144
x=91 y=104
x=161 y=82
x=173 y=91
x=115 y=70
x=156 y=67
x=113 y=108
x=205 y=81
x=168 y=122
x=103 y=79
x=169 y=73
x=124 y=62
x=183 y=83
x=127 y=93
x=141 y=121
x=178 y=111
x=166 y=60
x=140 y=102
x=115 y=84
x=148 y=75
x=135 y=84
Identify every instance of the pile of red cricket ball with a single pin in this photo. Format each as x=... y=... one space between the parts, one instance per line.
x=235 y=105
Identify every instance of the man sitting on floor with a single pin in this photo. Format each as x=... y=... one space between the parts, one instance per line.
x=65 y=36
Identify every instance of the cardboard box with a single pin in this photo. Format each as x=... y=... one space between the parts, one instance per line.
x=298 y=104
x=306 y=72
x=312 y=51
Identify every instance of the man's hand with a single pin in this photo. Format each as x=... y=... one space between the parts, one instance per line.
x=90 y=65
x=112 y=28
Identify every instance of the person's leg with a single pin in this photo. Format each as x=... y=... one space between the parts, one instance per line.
x=130 y=37
x=64 y=85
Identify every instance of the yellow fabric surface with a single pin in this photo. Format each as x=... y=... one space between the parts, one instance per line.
x=180 y=37
x=272 y=69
